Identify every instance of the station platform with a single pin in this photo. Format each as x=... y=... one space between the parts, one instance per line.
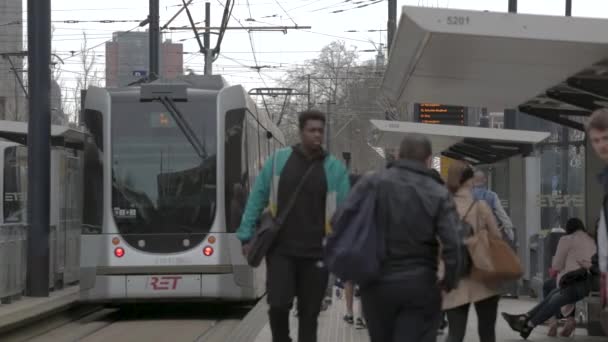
x=26 y=309
x=333 y=329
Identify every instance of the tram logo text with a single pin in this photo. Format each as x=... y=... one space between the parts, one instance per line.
x=164 y=282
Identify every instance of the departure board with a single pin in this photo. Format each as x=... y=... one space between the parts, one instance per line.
x=432 y=113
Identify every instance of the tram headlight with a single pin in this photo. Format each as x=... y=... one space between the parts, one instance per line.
x=208 y=251
x=119 y=252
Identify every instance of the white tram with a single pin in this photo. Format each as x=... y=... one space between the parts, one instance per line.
x=168 y=168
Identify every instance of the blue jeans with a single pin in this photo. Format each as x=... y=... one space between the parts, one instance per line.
x=551 y=304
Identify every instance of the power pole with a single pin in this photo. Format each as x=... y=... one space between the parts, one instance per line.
x=38 y=143
x=207 y=40
x=392 y=23
x=512 y=6
x=568 y=8
x=309 y=103
x=154 y=34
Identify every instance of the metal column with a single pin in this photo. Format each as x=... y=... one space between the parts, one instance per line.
x=154 y=33
x=38 y=141
x=392 y=23
x=512 y=6
x=207 y=41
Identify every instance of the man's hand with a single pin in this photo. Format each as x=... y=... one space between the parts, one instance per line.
x=246 y=248
x=553 y=272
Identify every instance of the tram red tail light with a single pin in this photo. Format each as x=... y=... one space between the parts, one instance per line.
x=119 y=252
x=208 y=251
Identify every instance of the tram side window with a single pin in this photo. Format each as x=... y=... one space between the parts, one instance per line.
x=92 y=205
x=264 y=150
x=235 y=168
x=15 y=184
x=254 y=158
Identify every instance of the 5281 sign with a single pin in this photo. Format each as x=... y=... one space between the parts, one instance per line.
x=458 y=20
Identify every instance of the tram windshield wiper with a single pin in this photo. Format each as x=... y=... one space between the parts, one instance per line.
x=184 y=126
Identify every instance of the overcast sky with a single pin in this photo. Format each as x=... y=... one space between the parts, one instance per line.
x=276 y=49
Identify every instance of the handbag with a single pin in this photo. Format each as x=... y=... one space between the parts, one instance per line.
x=465 y=232
x=573 y=277
x=269 y=226
x=493 y=260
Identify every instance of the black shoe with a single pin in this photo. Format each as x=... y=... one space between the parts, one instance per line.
x=516 y=322
x=349 y=319
x=525 y=332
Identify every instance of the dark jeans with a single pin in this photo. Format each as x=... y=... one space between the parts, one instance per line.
x=550 y=285
x=551 y=304
x=289 y=277
x=402 y=310
x=486 y=309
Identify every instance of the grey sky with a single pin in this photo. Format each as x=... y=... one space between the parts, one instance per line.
x=275 y=49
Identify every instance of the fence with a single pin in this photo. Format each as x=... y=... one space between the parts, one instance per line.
x=64 y=253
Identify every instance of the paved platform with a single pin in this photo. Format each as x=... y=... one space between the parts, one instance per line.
x=333 y=329
x=28 y=308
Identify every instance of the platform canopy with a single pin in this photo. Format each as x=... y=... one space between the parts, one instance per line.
x=475 y=144
x=16 y=131
x=549 y=66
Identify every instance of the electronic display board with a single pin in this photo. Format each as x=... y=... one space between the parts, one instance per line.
x=432 y=113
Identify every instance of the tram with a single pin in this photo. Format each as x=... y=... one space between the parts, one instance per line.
x=167 y=171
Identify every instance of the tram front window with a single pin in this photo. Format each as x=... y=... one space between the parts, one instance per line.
x=161 y=184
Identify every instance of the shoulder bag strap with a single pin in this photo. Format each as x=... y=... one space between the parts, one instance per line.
x=469 y=210
x=292 y=200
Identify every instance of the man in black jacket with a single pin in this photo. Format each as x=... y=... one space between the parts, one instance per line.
x=416 y=212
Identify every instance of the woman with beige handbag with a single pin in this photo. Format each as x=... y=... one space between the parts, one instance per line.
x=471 y=290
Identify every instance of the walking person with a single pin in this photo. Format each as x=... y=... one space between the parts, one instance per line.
x=481 y=192
x=415 y=213
x=471 y=291
x=294 y=263
x=350 y=289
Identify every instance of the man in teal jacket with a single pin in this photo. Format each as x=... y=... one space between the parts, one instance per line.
x=294 y=265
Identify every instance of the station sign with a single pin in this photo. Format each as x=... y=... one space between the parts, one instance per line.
x=432 y=113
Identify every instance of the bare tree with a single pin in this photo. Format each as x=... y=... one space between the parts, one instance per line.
x=88 y=76
x=330 y=75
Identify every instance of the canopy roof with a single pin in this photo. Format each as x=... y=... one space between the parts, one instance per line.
x=549 y=66
x=16 y=131
x=474 y=144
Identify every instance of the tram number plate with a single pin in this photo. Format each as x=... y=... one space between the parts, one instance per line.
x=158 y=285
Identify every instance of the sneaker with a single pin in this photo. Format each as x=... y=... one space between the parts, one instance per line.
x=360 y=324
x=349 y=319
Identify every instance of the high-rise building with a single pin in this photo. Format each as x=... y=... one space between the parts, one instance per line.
x=12 y=98
x=127 y=59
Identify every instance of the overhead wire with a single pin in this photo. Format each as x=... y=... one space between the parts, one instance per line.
x=287 y=13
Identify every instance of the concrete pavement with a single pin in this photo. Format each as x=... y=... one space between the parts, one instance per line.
x=333 y=329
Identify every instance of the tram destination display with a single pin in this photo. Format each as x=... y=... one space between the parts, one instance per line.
x=432 y=113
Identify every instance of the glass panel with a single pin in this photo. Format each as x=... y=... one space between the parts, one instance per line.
x=15 y=184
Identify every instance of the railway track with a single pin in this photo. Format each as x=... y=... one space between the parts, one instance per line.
x=174 y=323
